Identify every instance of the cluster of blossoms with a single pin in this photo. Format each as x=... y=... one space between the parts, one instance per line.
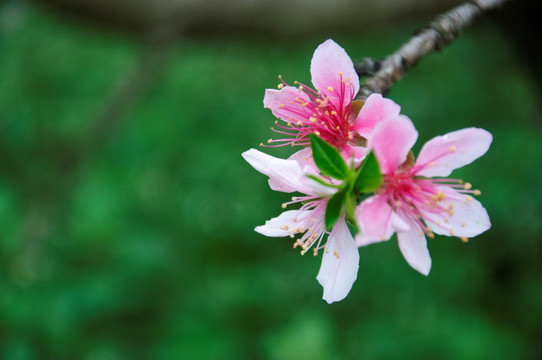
x=355 y=166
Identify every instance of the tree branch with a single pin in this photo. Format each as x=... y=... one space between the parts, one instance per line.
x=442 y=31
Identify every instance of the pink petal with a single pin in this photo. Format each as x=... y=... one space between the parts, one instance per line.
x=328 y=62
x=414 y=248
x=374 y=216
x=284 y=175
x=375 y=110
x=466 y=217
x=283 y=105
x=282 y=225
x=338 y=273
x=304 y=158
x=442 y=154
x=391 y=141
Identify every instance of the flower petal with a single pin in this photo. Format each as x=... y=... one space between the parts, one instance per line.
x=374 y=216
x=328 y=62
x=413 y=245
x=466 y=216
x=340 y=264
x=284 y=175
x=304 y=158
x=375 y=110
x=283 y=103
x=283 y=225
x=391 y=141
x=442 y=154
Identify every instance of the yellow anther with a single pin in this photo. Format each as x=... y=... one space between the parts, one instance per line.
x=336 y=253
x=468 y=198
x=317 y=133
x=477 y=192
x=451 y=206
x=467 y=186
x=313 y=119
x=261 y=144
x=463 y=224
x=382 y=237
x=280 y=77
x=333 y=113
x=315 y=252
x=451 y=212
x=299 y=123
x=398 y=204
x=340 y=74
x=280 y=106
x=269 y=141
x=452 y=149
x=280 y=86
x=294 y=198
x=430 y=235
x=284 y=227
x=465 y=239
x=303 y=252
x=431 y=164
x=300 y=89
x=330 y=88
x=296 y=82
x=326 y=112
x=452 y=232
x=284 y=206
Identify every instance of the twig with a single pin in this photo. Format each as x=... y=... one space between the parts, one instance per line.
x=442 y=31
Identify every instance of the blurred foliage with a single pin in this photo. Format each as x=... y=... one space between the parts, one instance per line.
x=141 y=245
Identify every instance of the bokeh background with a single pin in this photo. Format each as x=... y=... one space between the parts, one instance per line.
x=127 y=212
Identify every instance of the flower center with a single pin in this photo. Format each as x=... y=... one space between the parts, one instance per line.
x=319 y=115
x=423 y=199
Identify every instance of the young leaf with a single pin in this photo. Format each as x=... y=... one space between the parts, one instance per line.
x=369 y=176
x=322 y=182
x=328 y=159
x=335 y=207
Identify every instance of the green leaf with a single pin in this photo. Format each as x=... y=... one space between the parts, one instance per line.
x=322 y=182
x=369 y=176
x=328 y=159
x=335 y=207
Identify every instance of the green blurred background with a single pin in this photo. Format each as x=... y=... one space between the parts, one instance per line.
x=127 y=212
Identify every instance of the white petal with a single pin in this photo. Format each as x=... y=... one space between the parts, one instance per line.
x=340 y=264
x=284 y=175
x=466 y=217
x=413 y=246
x=282 y=225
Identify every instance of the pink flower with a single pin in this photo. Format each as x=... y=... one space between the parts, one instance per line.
x=328 y=110
x=341 y=258
x=411 y=202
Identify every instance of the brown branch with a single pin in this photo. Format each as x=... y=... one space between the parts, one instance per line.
x=442 y=31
